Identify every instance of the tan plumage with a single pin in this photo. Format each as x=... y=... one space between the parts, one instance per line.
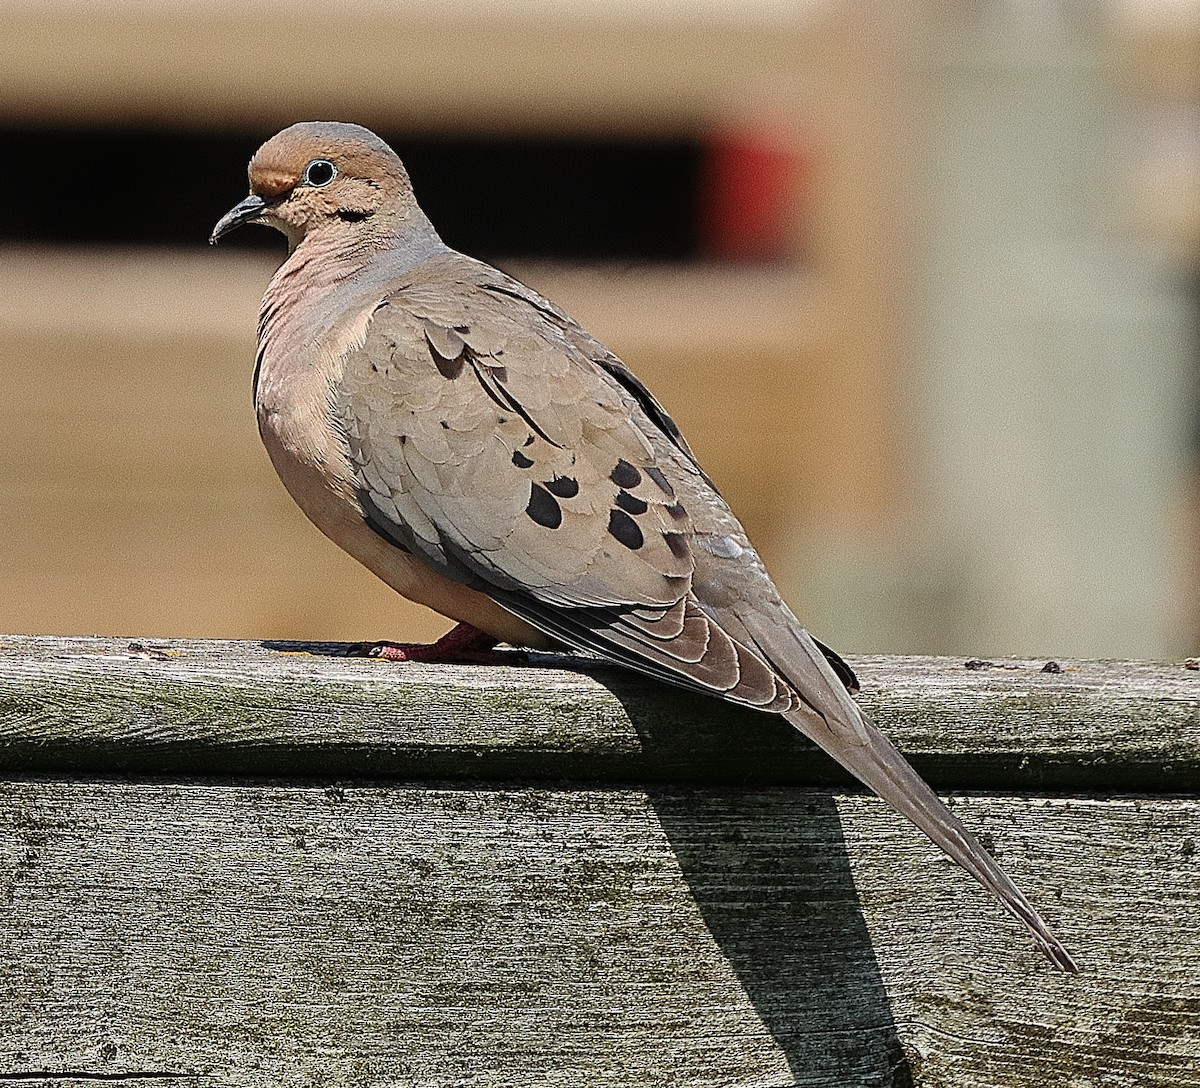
x=485 y=456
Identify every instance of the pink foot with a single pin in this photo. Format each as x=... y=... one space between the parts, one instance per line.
x=461 y=645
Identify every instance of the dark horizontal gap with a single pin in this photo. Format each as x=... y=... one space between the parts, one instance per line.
x=561 y=198
x=336 y=782
x=78 y=1074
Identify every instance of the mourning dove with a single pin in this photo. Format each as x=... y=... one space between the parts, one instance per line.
x=484 y=455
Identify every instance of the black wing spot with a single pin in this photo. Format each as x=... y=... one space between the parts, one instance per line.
x=625 y=475
x=520 y=460
x=565 y=487
x=678 y=544
x=528 y=441
x=624 y=530
x=664 y=485
x=445 y=425
x=845 y=673
x=543 y=508
x=677 y=511
x=631 y=504
x=538 y=303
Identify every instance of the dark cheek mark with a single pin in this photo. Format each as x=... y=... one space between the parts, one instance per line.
x=520 y=460
x=624 y=530
x=543 y=508
x=625 y=475
x=565 y=487
x=631 y=504
x=678 y=544
x=664 y=485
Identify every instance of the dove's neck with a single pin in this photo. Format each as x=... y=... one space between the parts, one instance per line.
x=326 y=269
x=317 y=304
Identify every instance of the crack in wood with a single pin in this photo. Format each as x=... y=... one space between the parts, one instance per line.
x=83 y=1074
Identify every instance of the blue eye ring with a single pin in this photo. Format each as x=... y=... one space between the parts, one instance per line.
x=319 y=173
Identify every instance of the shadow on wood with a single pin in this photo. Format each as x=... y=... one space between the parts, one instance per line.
x=777 y=895
x=773 y=885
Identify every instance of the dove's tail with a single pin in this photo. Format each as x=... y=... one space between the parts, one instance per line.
x=834 y=721
x=876 y=763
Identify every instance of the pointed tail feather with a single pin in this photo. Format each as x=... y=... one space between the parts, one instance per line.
x=831 y=719
x=878 y=765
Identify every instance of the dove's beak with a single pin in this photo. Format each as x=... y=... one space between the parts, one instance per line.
x=248 y=211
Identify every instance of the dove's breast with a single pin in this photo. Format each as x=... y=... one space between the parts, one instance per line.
x=298 y=369
x=295 y=389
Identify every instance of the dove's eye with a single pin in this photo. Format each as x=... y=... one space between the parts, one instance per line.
x=319 y=173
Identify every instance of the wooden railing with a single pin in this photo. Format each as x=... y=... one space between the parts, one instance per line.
x=270 y=865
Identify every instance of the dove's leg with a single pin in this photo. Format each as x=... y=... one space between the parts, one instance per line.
x=461 y=645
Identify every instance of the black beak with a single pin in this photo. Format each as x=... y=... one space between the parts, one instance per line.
x=247 y=211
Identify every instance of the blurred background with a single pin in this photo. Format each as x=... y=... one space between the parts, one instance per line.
x=920 y=279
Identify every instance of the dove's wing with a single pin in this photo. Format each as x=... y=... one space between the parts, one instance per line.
x=491 y=446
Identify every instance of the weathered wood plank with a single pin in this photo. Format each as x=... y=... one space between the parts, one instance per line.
x=355 y=931
x=96 y=706
x=285 y=935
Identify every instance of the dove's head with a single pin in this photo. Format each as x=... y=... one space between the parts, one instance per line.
x=324 y=176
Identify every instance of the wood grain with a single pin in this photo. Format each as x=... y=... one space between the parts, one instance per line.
x=256 y=865
x=96 y=705
x=281 y=935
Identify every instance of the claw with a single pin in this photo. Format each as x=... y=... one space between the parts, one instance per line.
x=462 y=645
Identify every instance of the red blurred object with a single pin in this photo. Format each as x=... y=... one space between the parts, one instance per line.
x=754 y=194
